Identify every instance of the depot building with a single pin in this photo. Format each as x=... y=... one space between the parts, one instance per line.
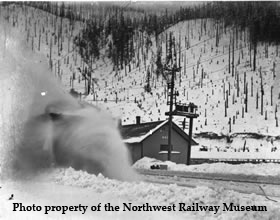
x=150 y=139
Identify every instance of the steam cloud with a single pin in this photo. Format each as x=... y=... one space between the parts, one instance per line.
x=47 y=127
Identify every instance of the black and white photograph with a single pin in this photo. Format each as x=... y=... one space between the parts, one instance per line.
x=138 y=110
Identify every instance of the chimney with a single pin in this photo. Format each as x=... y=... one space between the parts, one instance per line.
x=138 y=119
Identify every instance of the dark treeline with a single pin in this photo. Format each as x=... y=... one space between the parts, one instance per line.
x=117 y=26
x=110 y=24
x=262 y=18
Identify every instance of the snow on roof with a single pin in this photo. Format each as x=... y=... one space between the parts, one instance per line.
x=136 y=133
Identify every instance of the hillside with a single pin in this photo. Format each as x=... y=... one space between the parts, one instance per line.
x=216 y=74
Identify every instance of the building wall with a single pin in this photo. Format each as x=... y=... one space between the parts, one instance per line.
x=135 y=151
x=151 y=145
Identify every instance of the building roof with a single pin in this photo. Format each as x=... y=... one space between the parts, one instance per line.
x=136 y=133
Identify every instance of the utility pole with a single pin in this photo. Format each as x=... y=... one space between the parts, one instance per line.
x=190 y=142
x=171 y=67
x=184 y=110
x=188 y=111
x=170 y=86
x=170 y=90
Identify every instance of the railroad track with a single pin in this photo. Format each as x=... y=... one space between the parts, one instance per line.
x=272 y=180
x=261 y=185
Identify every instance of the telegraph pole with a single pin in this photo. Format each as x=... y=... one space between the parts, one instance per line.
x=190 y=142
x=170 y=91
x=170 y=86
x=184 y=110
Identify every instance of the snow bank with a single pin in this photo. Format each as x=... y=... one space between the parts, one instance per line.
x=155 y=194
x=263 y=169
x=61 y=186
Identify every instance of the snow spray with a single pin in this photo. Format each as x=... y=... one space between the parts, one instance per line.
x=53 y=128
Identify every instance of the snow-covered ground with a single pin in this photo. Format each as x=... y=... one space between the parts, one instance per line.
x=240 y=147
x=67 y=187
x=263 y=169
x=125 y=94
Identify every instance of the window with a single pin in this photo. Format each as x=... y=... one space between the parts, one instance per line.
x=164 y=147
